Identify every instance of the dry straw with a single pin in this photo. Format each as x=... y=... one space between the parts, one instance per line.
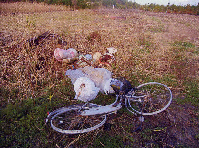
x=145 y=44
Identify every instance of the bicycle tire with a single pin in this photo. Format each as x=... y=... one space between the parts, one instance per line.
x=150 y=98
x=68 y=120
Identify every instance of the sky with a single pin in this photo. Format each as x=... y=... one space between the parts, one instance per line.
x=165 y=2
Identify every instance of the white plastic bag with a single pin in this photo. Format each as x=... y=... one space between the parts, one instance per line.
x=98 y=75
x=112 y=50
x=88 y=81
x=74 y=74
x=85 y=89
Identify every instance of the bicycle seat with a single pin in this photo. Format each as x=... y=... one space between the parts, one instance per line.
x=121 y=85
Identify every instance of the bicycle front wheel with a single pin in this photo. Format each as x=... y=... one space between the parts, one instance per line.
x=70 y=121
x=150 y=98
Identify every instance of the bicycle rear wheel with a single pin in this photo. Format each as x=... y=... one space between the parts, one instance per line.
x=69 y=120
x=150 y=98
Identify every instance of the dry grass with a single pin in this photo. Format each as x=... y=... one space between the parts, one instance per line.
x=21 y=7
x=145 y=43
x=151 y=47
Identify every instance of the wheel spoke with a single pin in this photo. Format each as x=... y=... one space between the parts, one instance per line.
x=155 y=98
x=72 y=122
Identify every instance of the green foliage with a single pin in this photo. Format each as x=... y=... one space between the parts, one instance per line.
x=108 y=2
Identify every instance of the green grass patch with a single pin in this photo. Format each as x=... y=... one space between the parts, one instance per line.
x=184 y=44
x=109 y=142
x=22 y=123
x=192 y=93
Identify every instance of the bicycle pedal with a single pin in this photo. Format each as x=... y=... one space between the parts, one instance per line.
x=141 y=118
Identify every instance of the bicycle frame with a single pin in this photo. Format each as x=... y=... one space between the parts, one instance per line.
x=112 y=108
x=90 y=109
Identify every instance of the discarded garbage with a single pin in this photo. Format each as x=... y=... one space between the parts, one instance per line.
x=65 y=55
x=106 y=60
x=38 y=40
x=100 y=77
x=85 y=89
x=87 y=80
x=88 y=56
x=141 y=118
x=112 y=50
x=74 y=74
x=96 y=56
x=84 y=60
x=107 y=87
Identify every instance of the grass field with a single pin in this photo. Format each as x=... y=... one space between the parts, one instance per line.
x=151 y=47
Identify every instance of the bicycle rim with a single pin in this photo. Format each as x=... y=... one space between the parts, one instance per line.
x=70 y=121
x=151 y=98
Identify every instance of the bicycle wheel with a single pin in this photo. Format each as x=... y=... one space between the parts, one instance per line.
x=150 y=98
x=69 y=120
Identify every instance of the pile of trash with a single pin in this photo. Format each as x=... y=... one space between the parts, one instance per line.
x=71 y=56
x=88 y=81
x=88 y=77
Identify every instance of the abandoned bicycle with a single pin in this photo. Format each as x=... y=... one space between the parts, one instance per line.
x=146 y=99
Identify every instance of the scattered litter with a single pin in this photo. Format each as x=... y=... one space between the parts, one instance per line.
x=97 y=60
x=88 y=56
x=98 y=75
x=107 y=87
x=68 y=55
x=84 y=60
x=96 y=56
x=85 y=89
x=74 y=74
x=38 y=40
x=106 y=60
x=112 y=50
x=87 y=79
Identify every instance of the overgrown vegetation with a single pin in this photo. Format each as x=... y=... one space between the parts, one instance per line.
x=151 y=47
x=121 y=4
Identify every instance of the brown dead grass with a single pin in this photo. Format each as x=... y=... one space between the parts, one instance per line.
x=144 y=41
x=21 y=7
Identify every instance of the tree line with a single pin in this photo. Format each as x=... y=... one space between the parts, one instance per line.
x=120 y=4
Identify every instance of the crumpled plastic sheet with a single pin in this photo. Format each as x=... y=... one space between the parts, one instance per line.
x=61 y=54
x=98 y=75
x=74 y=74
